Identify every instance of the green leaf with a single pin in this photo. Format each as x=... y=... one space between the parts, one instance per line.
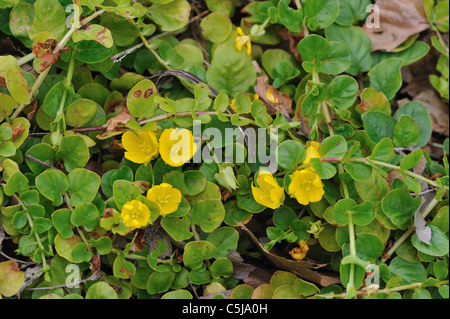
x=325 y=170
x=48 y=16
x=378 y=125
x=359 y=44
x=439 y=243
x=358 y=171
x=289 y=154
x=406 y=132
x=195 y=182
x=159 y=282
x=224 y=239
x=333 y=147
x=216 y=27
x=207 y=209
x=81 y=112
x=177 y=227
x=17 y=85
x=52 y=184
x=338 y=60
x=61 y=221
x=342 y=91
x=141 y=99
x=411 y=160
x=43 y=152
x=83 y=186
x=221 y=267
x=74 y=152
x=383 y=151
x=101 y=290
x=96 y=33
x=92 y=52
x=352 y=11
x=7 y=105
x=21 y=18
x=292 y=19
x=86 y=215
x=372 y=100
x=231 y=71
x=124 y=191
x=320 y=13
x=171 y=16
x=386 y=77
x=197 y=251
x=400 y=207
x=123 y=268
x=420 y=114
x=81 y=252
x=283 y=216
x=17 y=183
x=409 y=272
x=313 y=48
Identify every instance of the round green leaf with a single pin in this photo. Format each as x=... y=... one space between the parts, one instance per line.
x=216 y=27
x=140 y=100
x=86 y=215
x=81 y=112
x=83 y=186
x=420 y=114
x=342 y=91
x=439 y=243
x=52 y=184
x=406 y=132
x=400 y=207
x=74 y=152
x=171 y=16
x=61 y=221
x=386 y=77
x=333 y=147
x=197 y=251
x=289 y=154
x=224 y=239
x=231 y=71
x=101 y=290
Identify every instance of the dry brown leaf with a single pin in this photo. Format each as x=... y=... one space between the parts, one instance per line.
x=122 y=118
x=438 y=110
x=272 y=98
x=304 y=269
x=399 y=20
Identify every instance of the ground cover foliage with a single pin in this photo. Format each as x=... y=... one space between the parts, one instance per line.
x=99 y=200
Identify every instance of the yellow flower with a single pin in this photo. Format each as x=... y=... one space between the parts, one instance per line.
x=298 y=253
x=177 y=146
x=270 y=97
x=166 y=197
x=243 y=40
x=312 y=152
x=306 y=186
x=140 y=146
x=268 y=192
x=135 y=214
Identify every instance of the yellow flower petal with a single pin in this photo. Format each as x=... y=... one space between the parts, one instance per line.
x=312 y=152
x=166 y=197
x=268 y=193
x=135 y=214
x=177 y=146
x=140 y=146
x=306 y=186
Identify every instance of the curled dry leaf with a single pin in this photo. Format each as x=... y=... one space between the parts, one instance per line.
x=113 y=123
x=398 y=20
x=274 y=99
x=304 y=269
